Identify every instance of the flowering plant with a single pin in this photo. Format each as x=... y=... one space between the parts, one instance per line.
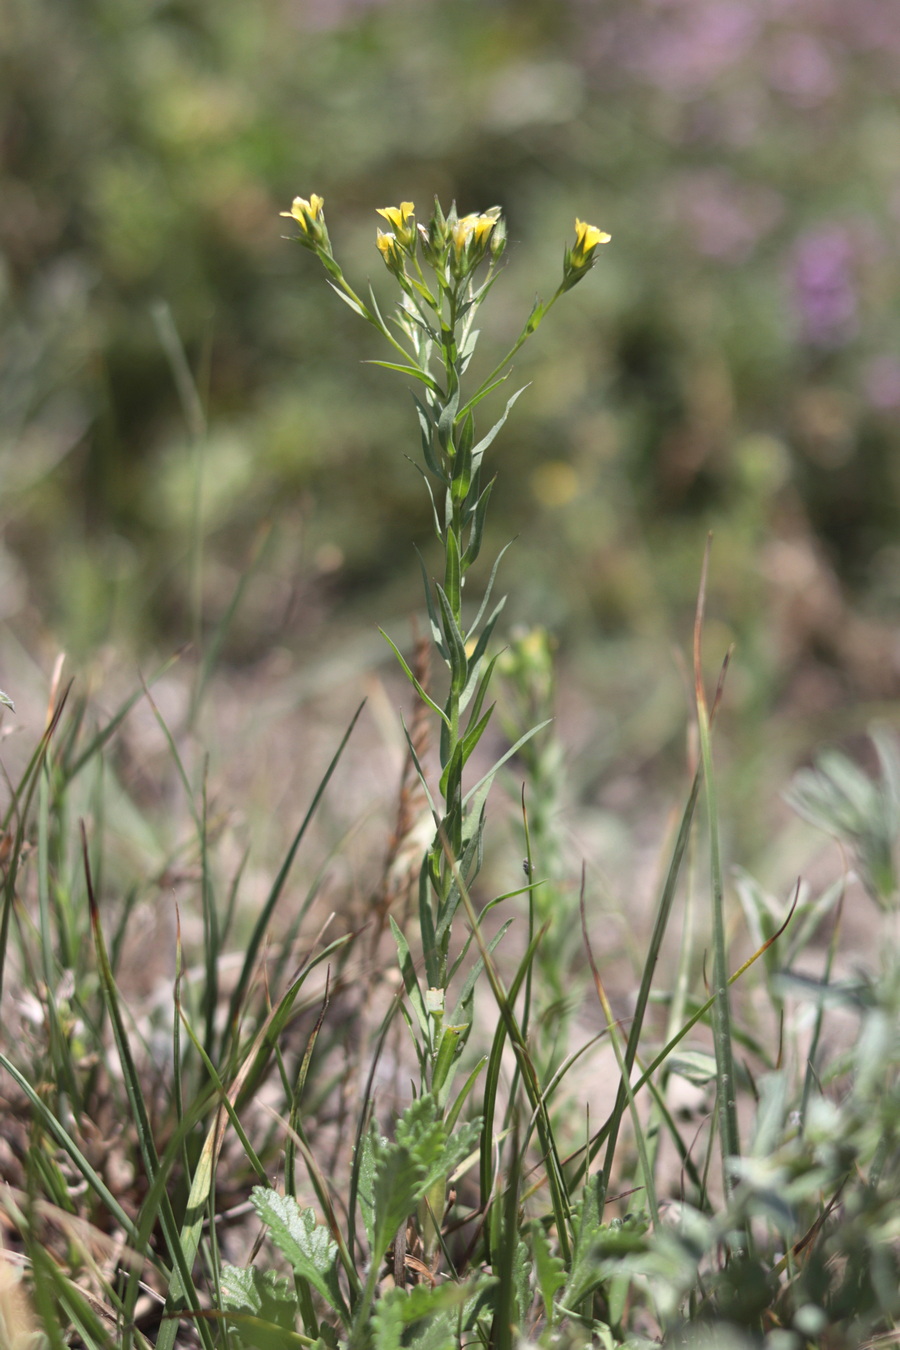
x=445 y=270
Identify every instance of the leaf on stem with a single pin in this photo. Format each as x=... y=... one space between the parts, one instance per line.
x=426 y=429
x=486 y=440
x=416 y=373
x=309 y=1247
x=456 y=643
x=419 y=688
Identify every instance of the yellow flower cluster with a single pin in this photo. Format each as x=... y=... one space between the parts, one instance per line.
x=310 y=218
x=470 y=237
x=457 y=242
x=403 y=220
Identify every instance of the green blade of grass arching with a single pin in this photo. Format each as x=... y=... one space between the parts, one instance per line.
x=505 y=1251
x=294 y=1122
x=182 y=1292
x=20 y=806
x=43 y=1117
x=263 y=1044
x=211 y=941
x=494 y=1070
x=59 y=1044
x=97 y=742
x=213 y=647
x=624 y=1084
x=555 y=1176
x=268 y=909
x=663 y=913
x=589 y=1152
x=725 y=1079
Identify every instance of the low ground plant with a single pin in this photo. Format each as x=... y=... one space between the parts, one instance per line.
x=229 y=1170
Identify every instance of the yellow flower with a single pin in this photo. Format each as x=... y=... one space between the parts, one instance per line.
x=390 y=249
x=306 y=213
x=587 y=237
x=402 y=219
x=310 y=218
x=476 y=227
x=471 y=236
x=580 y=259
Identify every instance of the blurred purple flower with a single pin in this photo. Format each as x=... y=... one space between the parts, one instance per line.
x=724 y=217
x=823 y=285
x=683 y=47
x=800 y=68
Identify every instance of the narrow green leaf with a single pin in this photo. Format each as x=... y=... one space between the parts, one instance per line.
x=414 y=371
x=483 y=393
x=446 y=420
x=695 y=1065
x=458 y=663
x=355 y=305
x=485 y=441
x=265 y=914
x=427 y=432
x=436 y=633
x=481 y=690
x=482 y=608
x=476 y=533
x=452 y=585
x=412 y=679
x=459 y=1014
x=472 y=737
x=453 y=1114
x=411 y=980
x=474 y=793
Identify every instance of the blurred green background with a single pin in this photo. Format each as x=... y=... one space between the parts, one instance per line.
x=733 y=362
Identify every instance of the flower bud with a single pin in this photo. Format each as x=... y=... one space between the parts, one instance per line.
x=391 y=251
x=435 y=238
x=471 y=237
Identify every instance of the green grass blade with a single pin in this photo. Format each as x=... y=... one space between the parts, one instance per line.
x=97 y=742
x=663 y=913
x=722 y=1035
x=268 y=909
x=181 y=1292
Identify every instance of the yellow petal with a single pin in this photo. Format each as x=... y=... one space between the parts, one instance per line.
x=587 y=237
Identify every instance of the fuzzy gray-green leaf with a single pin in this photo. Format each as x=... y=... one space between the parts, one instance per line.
x=308 y=1246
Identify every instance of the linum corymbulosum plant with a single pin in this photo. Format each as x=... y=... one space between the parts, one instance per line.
x=433 y=333
x=444 y=271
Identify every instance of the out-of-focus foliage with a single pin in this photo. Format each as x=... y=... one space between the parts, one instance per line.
x=734 y=362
